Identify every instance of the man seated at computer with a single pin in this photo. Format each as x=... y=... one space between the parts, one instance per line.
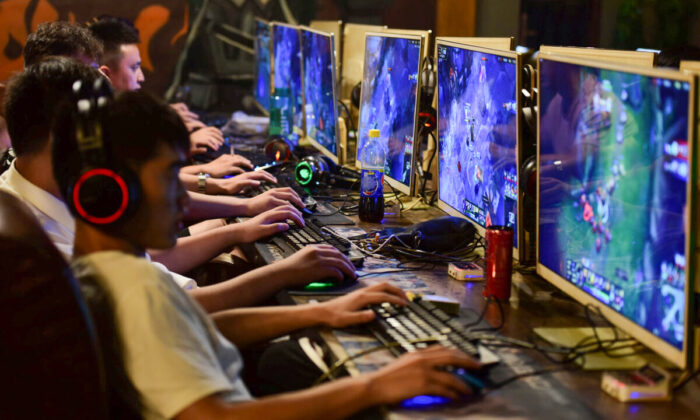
x=32 y=99
x=121 y=62
x=66 y=39
x=180 y=360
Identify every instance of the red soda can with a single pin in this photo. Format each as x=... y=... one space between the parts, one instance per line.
x=499 y=262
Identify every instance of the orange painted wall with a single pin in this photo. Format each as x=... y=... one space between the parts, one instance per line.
x=162 y=24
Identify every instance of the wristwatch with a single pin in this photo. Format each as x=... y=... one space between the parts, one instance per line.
x=202 y=182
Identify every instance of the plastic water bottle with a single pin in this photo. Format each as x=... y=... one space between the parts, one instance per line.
x=281 y=113
x=372 y=159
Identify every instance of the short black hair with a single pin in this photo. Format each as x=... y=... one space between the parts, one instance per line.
x=34 y=95
x=133 y=125
x=60 y=38
x=113 y=32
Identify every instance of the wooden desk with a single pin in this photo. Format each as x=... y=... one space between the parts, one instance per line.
x=572 y=394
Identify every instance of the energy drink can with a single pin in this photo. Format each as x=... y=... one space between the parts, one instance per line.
x=499 y=262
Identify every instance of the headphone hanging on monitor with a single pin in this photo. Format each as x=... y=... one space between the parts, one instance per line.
x=428 y=82
x=103 y=193
x=427 y=114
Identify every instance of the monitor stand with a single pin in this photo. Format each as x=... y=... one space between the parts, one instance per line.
x=625 y=359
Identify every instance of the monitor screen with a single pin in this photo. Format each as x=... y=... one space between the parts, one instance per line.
x=287 y=71
x=262 y=64
x=319 y=89
x=388 y=100
x=613 y=181
x=478 y=135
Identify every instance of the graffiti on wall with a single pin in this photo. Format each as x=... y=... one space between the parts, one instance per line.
x=162 y=25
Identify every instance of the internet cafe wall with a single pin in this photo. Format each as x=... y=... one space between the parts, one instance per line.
x=162 y=24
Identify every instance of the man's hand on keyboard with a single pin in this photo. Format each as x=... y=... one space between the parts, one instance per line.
x=194 y=125
x=351 y=308
x=210 y=137
x=227 y=165
x=418 y=373
x=269 y=223
x=271 y=199
x=184 y=112
x=315 y=262
x=238 y=183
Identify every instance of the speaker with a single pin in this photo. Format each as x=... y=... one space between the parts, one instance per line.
x=103 y=193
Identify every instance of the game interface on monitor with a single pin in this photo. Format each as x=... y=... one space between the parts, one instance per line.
x=388 y=103
x=320 y=108
x=262 y=64
x=287 y=69
x=477 y=131
x=614 y=168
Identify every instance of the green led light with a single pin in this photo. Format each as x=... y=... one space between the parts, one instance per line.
x=318 y=286
x=303 y=173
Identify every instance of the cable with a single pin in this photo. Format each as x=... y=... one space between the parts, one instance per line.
x=525 y=375
x=430 y=162
x=682 y=381
x=351 y=124
x=500 y=311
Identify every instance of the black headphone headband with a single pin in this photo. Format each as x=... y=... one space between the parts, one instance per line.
x=101 y=194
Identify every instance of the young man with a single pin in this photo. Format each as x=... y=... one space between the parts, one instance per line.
x=175 y=356
x=30 y=102
x=121 y=63
x=62 y=39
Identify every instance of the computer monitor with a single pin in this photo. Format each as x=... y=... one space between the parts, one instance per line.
x=496 y=43
x=616 y=192
x=425 y=33
x=353 y=56
x=625 y=57
x=478 y=135
x=262 y=65
x=389 y=101
x=334 y=27
x=286 y=72
x=320 y=103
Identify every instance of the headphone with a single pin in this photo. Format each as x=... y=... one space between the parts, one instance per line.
x=428 y=82
x=103 y=193
x=317 y=169
x=356 y=94
x=278 y=149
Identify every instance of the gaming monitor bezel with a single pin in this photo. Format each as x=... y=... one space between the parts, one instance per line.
x=318 y=146
x=623 y=57
x=519 y=246
x=300 y=131
x=395 y=183
x=260 y=106
x=681 y=357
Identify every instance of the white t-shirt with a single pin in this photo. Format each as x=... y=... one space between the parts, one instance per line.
x=173 y=352
x=56 y=219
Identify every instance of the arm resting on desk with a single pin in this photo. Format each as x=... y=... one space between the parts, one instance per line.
x=247 y=326
x=309 y=264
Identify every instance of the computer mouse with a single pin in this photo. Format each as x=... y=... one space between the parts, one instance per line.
x=477 y=380
x=331 y=284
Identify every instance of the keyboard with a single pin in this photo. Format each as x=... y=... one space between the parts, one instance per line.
x=419 y=320
x=312 y=233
